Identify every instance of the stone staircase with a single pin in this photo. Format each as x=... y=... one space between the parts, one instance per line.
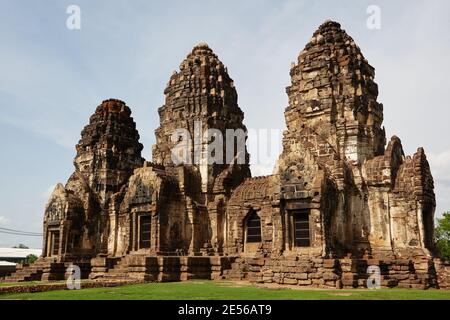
x=237 y=271
x=32 y=272
x=46 y=269
x=142 y=268
x=118 y=271
x=130 y=267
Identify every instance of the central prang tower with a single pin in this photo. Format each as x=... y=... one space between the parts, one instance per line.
x=199 y=97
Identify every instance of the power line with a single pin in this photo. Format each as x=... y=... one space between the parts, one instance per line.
x=20 y=232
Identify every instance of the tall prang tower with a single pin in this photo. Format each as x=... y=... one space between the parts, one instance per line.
x=334 y=94
x=366 y=196
x=199 y=97
x=201 y=119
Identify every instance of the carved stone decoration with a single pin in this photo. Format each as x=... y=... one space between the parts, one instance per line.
x=339 y=199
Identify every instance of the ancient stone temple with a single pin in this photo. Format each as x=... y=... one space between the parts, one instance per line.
x=340 y=199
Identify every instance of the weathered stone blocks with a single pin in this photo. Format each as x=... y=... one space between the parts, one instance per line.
x=339 y=201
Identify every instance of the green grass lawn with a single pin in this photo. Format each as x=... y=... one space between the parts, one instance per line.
x=29 y=283
x=210 y=290
x=3 y=284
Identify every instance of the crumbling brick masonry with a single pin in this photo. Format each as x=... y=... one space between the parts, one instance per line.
x=339 y=199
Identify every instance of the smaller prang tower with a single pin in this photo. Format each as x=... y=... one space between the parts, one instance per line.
x=78 y=215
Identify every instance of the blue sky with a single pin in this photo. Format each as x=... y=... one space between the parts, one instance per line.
x=53 y=78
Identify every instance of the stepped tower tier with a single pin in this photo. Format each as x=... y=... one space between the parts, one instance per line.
x=199 y=97
x=109 y=148
x=334 y=94
x=334 y=161
x=77 y=217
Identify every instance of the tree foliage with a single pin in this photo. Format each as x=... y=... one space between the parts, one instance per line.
x=21 y=246
x=31 y=258
x=442 y=234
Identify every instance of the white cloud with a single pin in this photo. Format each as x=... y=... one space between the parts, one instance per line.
x=4 y=221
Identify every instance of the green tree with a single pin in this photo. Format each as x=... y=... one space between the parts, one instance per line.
x=31 y=258
x=442 y=233
x=21 y=246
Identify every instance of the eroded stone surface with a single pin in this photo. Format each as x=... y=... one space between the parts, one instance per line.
x=339 y=200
